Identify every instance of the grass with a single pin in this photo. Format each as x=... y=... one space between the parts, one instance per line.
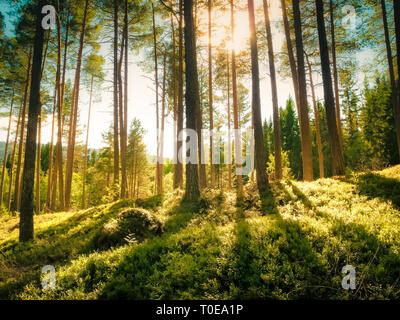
x=215 y=250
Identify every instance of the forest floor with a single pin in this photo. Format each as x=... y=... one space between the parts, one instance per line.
x=215 y=250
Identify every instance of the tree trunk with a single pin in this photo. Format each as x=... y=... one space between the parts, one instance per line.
x=38 y=154
x=17 y=193
x=121 y=119
x=116 y=129
x=175 y=98
x=178 y=174
x=159 y=161
x=335 y=74
x=26 y=216
x=292 y=60
x=395 y=97
x=161 y=165
x=210 y=92
x=192 y=100
x=6 y=148
x=51 y=154
x=277 y=131
x=12 y=160
x=86 y=148
x=228 y=82
x=317 y=124
x=336 y=151
x=74 y=115
x=125 y=131
x=306 y=145
x=396 y=5
x=261 y=161
x=236 y=125
x=58 y=169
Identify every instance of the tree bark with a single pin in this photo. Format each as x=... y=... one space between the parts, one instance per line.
x=396 y=5
x=210 y=91
x=159 y=161
x=277 y=131
x=116 y=129
x=175 y=98
x=178 y=173
x=395 y=97
x=161 y=165
x=303 y=108
x=6 y=148
x=51 y=154
x=317 y=124
x=261 y=161
x=38 y=154
x=74 y=115
x=292 y=60
x=125 y=131
x=236 y=124
x=12 y=160
x=334 y=140
x=86 y=148
x=335 y=74
x=17 y=191
x=192 y=99
x=228 y=82
x=26 y=216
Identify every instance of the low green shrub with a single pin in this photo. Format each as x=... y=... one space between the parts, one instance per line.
x=131 y=225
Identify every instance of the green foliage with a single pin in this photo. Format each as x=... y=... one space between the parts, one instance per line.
x=131 y=225
x=290 y=134
x=218 y=251
x=150 y=203
x=377 y=125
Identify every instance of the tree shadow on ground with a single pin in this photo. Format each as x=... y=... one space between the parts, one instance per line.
x=376 y=263
x=140 y=273
x=55 y=245
x=374 y=185
x=274 y=263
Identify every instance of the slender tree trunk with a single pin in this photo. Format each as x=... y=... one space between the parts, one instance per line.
x=395 y=97
x=334 y=140
x=26 y=216
x=51 y=154
x=228 y=82
x=292 y=60
x=277 y=131
x=121 y=119
x=306 y=145
x=17 y=196
x=159 y=161
x=38 y=154
x=192 y=100
x=12 y=161
x=210 y=91
x=199 y=124
x=396 y=5
x=6 y=148
x=116 y=129
x=74 y=115
x=125 y=136
x=178 y=174
x=261 y=161
x=86 y=148
x=58 y=175
x=175 y=98
x=236 y=123
x=317 y=124
x=335 y=74
x=161 y=165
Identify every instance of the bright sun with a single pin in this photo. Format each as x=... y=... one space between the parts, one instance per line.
x=221 y=34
